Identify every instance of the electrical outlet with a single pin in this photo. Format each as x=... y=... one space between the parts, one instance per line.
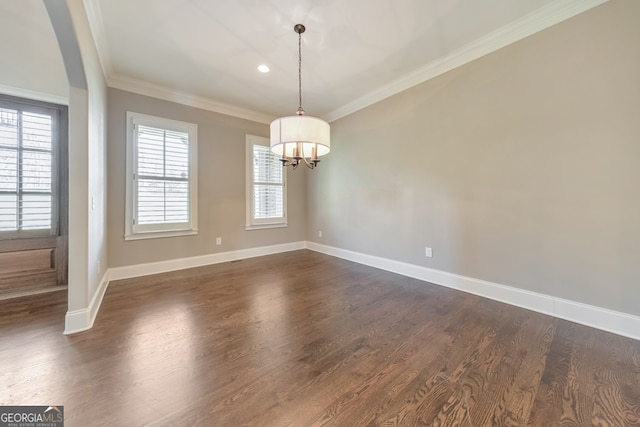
x=428 y=252
x=218 y=241
x=320 y=234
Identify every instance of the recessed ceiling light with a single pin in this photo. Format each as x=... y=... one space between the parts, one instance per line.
x=263 y=68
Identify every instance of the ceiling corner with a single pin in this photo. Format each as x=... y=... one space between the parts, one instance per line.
x=532 y=23
x=94 y=16
x=161 y=92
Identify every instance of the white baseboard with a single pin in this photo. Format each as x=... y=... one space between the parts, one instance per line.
x=137 y=270
x=624 y=324
x=619 y=323
x=81 y=320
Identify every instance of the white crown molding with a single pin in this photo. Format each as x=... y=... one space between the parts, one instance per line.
x=161 y=92
x=96 y=24
x=532 y=23
x=35 y=95
x=612 y=321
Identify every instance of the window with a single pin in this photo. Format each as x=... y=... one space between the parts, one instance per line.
x=161 y=177
x=266 y=191
x=29 y=146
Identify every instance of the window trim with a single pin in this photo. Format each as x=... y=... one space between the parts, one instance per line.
x=150 y=231
x=253 y=223
x=58 y=147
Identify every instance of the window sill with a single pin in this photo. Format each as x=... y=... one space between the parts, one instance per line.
x=159 y=234
x=265 y=226
x=25 y=234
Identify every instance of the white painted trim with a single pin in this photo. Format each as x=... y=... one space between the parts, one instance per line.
x=554 y=13
x=624 y=324
x=532 y=23
x=250 y=222
x=81 y=320
x=156 y=91
x=616 y=322
x=149 y=231
x=35 y=95
x=96 y=25
x=266 y=226
x=137 y=270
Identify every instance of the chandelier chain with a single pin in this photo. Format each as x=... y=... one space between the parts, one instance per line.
x=300 y=139
x=300 y=72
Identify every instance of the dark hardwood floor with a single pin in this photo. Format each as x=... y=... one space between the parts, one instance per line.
x=304 y=339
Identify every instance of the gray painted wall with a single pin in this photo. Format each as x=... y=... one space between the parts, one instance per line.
x=221 y=186
x=521 y=168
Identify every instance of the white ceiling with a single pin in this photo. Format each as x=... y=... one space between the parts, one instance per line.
x=355 y=52
x=30 y=60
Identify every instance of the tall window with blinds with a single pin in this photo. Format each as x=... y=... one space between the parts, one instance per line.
x=162 y=177
x=28 y=170
x=266 y=191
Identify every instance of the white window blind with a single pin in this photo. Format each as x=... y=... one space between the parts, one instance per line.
x=27 y=175
x=266 y=196
x=163 y=194
x=268 y=190
x=163 y=176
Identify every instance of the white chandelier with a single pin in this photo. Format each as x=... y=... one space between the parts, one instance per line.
x=300 y=138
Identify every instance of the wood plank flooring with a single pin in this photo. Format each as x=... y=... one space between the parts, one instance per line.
x=304 y=339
